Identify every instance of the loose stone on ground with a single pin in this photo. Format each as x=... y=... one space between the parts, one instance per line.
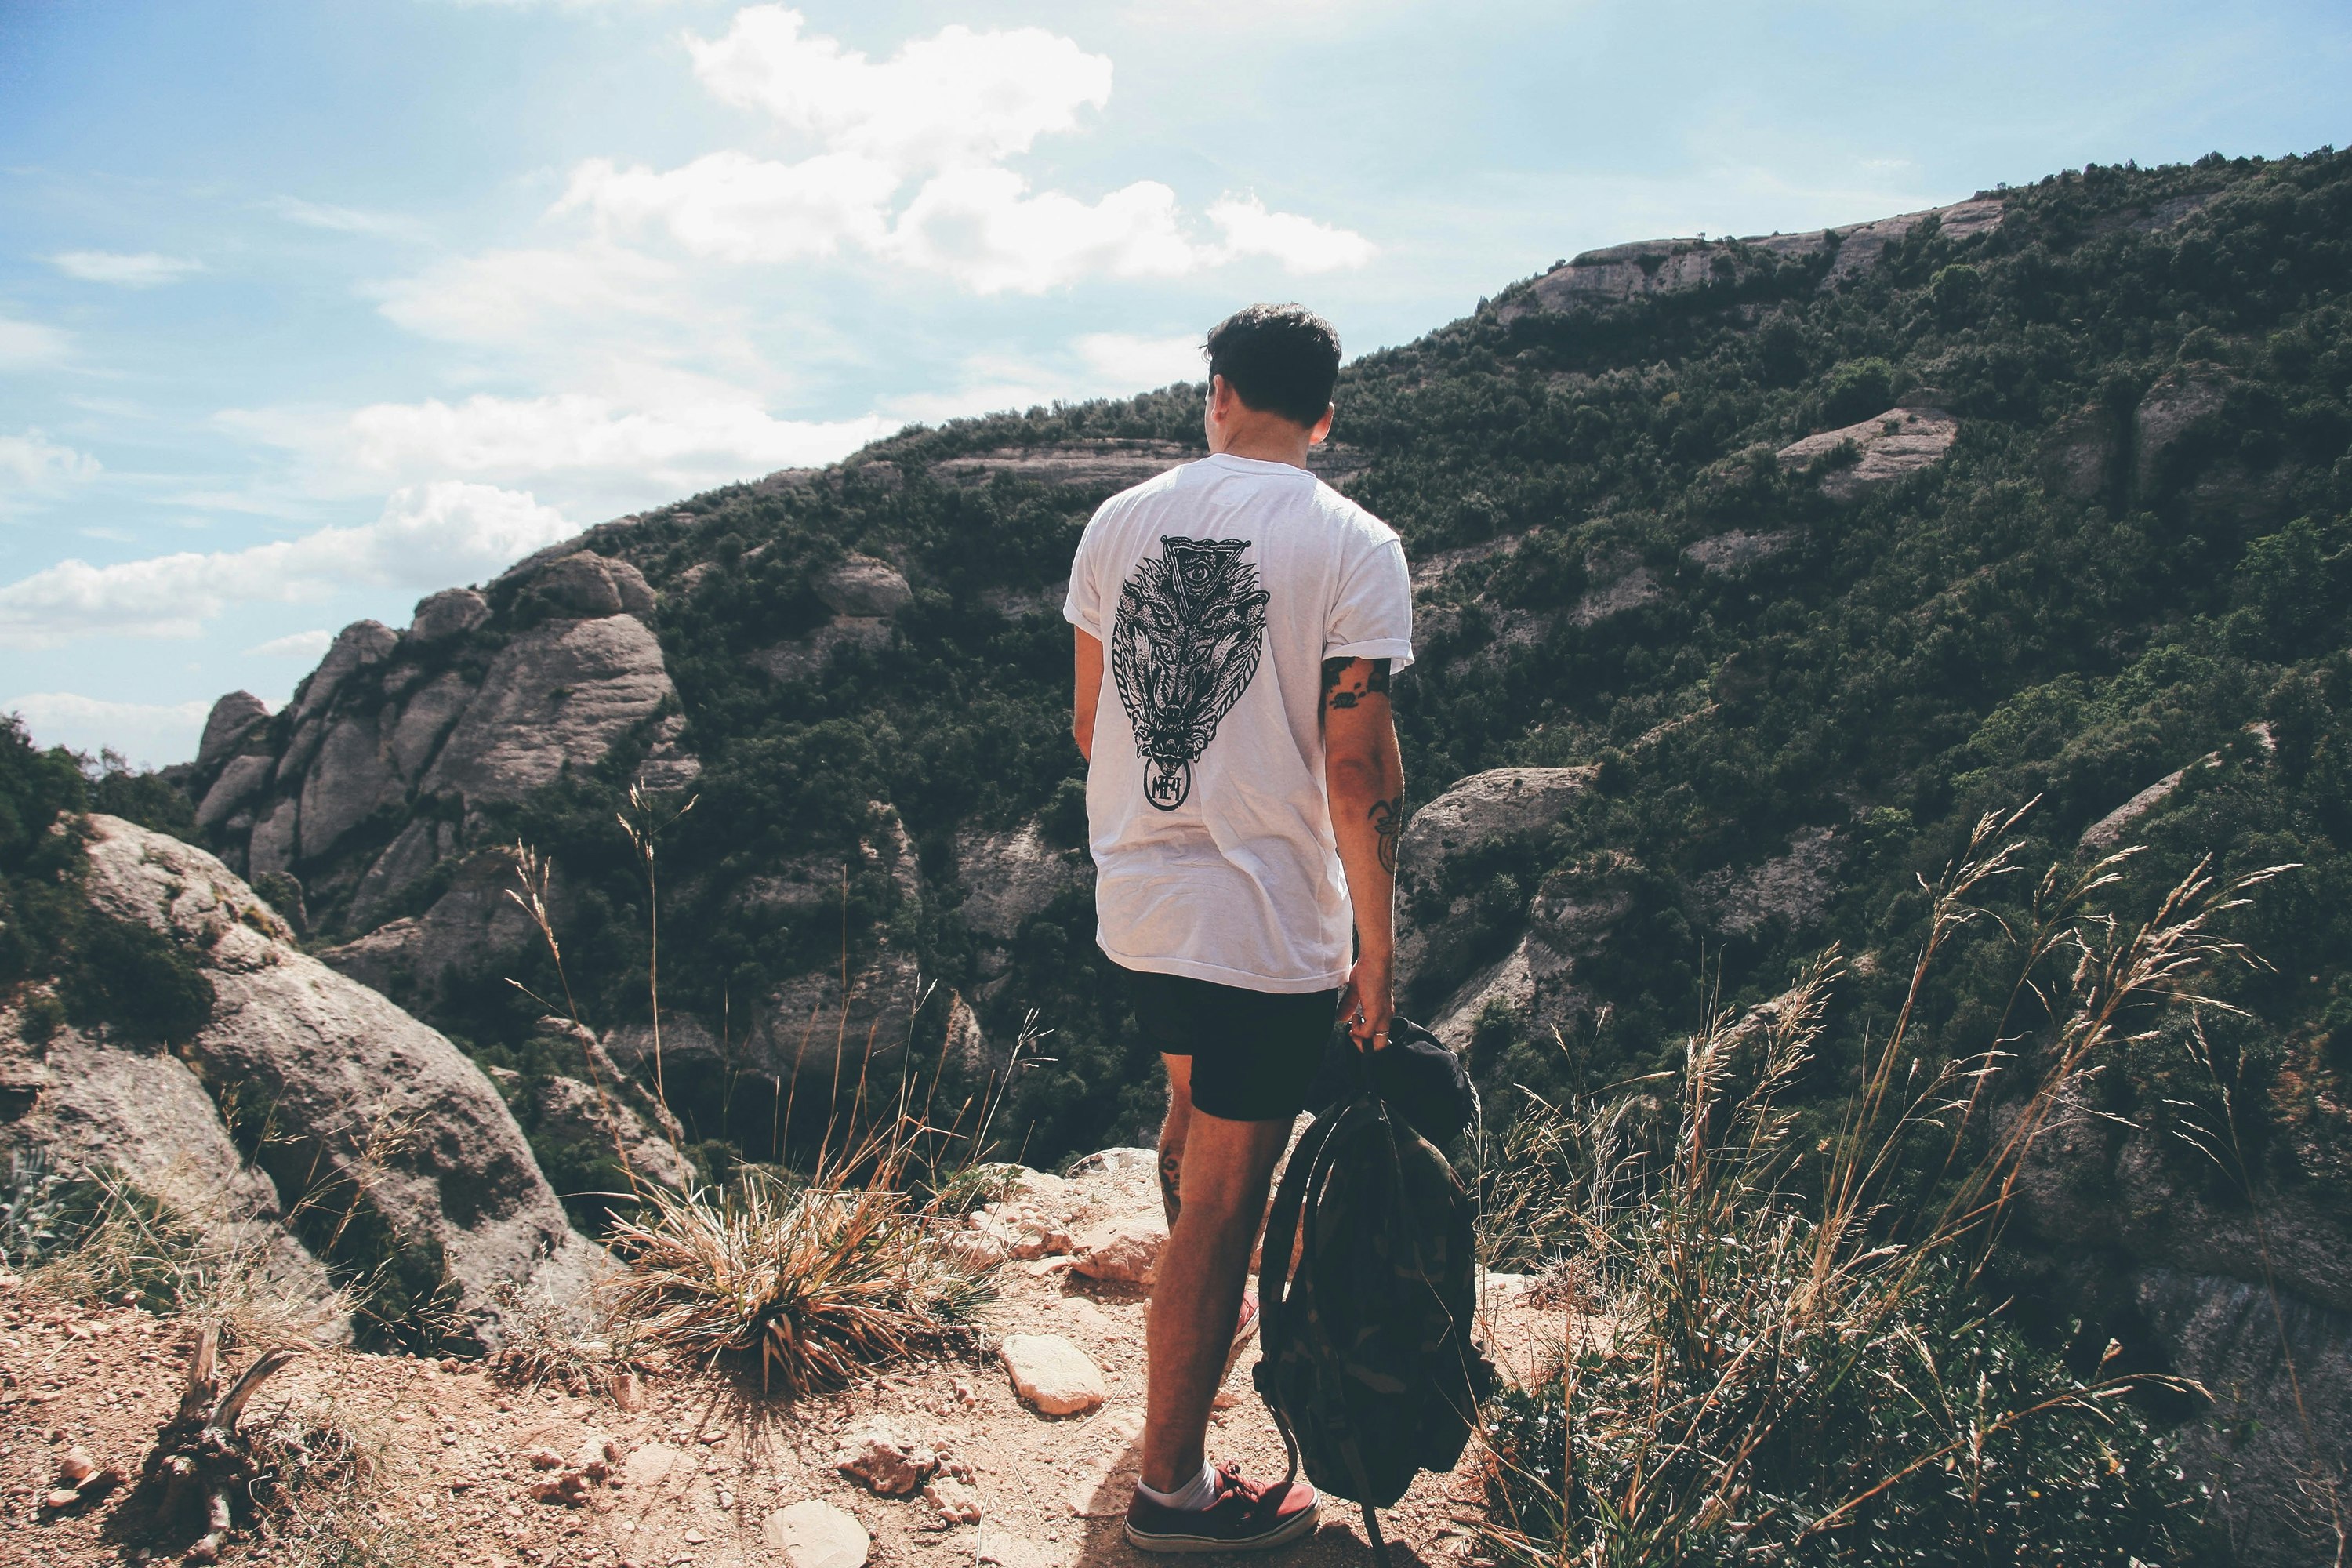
x=814 y=1534
x=1051 y=1375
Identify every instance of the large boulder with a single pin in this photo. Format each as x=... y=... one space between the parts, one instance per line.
x=473 y=927
x=1497 y=803
x=385 y=1111
x=1010 y=877
x=558 y=695
x=232 y=718
x=355 y=647
x=452 y=612
x=94 y=1104
x=862 y=585
x=349 y=780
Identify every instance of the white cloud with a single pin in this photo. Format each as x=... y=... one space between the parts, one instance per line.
x=345 y=220
x=428 y=535
x=23 y=344
x=1300 y=244
x=147 y=734
x=142 y=270
x=735 y=207
x=956 y=97
x=33 y=461
x=1128 y=362
x=982 y=227
x=306 y=645
x=518 y=436
x=520 y=298
x=698 y=436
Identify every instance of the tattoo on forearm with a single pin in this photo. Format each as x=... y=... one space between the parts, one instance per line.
x=1388 y=821
x=1172 y=1179
x=1342 y=691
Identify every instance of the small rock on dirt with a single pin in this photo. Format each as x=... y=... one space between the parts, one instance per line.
x=652 y=1465
x=815 y=1534
x=75 y=1467
x=957 y=1503
x=1123 y=1251
x=628 y=1391
x=1054 y=1376
x=1001 y=1550
x=888 y=1462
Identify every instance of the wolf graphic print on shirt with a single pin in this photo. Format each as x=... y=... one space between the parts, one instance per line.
x=1184 y=647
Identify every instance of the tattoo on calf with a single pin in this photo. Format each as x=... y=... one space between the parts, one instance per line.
x=1172 y=1176
x=1341 y=692
x=1388 y=821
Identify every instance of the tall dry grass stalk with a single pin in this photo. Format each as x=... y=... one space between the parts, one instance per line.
x=533 y=874
x=645 y=821
x=1796 y=1365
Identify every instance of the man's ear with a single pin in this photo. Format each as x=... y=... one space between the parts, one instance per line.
x=1322 y=430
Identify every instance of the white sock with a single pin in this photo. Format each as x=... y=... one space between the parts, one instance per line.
x=1191 y=1497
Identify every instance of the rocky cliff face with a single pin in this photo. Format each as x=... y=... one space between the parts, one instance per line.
x=2249 y=1294
x=365 y=807
x=307 y=1113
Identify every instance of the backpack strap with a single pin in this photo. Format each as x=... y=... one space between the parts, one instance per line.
x=1282 y=1225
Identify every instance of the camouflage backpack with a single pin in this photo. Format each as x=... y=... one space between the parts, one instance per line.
x=1367 y=1364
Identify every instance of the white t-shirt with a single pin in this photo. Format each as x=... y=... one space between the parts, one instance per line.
x=1218 y=590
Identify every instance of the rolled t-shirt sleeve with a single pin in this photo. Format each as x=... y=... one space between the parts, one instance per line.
x=1082 y=606
x=1372 y=616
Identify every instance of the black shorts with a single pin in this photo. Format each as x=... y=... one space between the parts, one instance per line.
x=1254 y=1052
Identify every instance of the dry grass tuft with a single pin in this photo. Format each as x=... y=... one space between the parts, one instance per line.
x=331 y=1470
x=812 y=1277
x=543 y=1340
x=92 y=1235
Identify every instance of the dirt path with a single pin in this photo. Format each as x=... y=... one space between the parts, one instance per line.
x=704 y=1464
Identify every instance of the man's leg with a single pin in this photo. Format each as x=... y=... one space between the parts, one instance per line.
x=1196 y=1293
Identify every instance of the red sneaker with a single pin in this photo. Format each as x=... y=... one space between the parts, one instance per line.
x=1245 y=1518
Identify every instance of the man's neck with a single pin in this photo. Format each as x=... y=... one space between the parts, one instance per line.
x=1272 y=441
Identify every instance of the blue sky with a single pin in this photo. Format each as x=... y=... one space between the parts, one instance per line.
x=306 y=309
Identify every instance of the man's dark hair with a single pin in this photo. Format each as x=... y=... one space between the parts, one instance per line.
x=1279 y=359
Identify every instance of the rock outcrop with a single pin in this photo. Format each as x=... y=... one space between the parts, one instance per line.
x=1790 y=890
x=372 y=783
x=306 y=1077
x=1480 y=812
x=1725 y=554
x=1617 y=273
x=2252 y=1300
x=863 y=594
x=1857 y=460
x=1482 y=807
x=1009 y=878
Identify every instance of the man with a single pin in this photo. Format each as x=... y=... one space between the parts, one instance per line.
x=1244 y=796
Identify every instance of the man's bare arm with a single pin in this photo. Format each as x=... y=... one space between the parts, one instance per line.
x=1087 y=691
x=1364 y=777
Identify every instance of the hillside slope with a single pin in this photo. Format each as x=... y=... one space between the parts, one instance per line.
x=1770 y=564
